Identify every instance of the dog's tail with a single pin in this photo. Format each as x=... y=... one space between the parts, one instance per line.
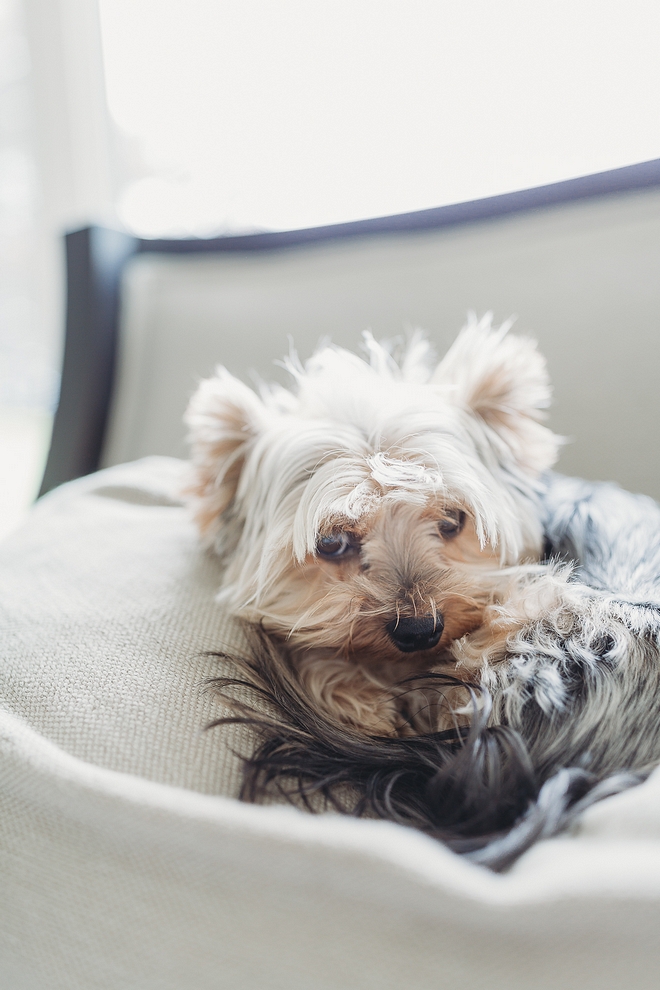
x=555 y=809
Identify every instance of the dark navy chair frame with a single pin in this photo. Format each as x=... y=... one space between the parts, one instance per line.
x=96 y=257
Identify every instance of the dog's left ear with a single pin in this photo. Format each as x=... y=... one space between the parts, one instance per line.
x=503 y=380
x=224 y=417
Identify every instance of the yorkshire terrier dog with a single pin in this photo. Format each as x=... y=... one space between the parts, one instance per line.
x=375 y=518
x=443 y=624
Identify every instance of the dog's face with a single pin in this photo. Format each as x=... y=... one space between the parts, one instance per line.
x=369 y=513
x=403 y=579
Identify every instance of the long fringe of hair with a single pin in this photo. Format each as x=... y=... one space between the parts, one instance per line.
x=475 y=787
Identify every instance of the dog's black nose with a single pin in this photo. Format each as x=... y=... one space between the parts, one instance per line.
x=409 y=635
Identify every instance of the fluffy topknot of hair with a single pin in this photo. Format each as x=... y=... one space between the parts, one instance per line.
x=395 y=424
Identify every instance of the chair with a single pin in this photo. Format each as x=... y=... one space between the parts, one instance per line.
x=577 y=261
x=126 y=860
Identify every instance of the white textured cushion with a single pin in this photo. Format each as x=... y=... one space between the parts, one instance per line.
x=122 y=868
x=109 y=607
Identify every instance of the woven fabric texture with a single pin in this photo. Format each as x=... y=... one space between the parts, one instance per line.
x=107 y=615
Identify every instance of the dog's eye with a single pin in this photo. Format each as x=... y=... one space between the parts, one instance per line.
x=337 y=545
x=452 y=523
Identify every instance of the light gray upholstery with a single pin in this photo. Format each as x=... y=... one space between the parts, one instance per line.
x=582 y=278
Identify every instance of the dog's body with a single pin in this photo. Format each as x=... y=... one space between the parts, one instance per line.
x=385 y=527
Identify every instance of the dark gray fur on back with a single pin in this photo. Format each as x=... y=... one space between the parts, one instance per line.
x=605 y=736
x=612 y=535
x=568 y=715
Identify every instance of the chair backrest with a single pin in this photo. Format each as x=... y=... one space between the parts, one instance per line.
x=577 y=262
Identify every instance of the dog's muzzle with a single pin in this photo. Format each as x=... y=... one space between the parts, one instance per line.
x=410 y=635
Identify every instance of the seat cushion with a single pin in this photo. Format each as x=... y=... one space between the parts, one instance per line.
x=108 y=614
x=127 y=862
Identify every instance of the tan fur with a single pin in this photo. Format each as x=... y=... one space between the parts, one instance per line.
x=334 y=614
x=224 y=416
x=350 y=692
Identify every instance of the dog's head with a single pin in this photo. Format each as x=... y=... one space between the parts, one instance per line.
x=369 y=510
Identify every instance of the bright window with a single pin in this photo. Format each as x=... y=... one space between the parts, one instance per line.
x=246 y=113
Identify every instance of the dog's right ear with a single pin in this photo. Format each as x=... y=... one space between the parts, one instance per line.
x=224 y=417
x=503 y=381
